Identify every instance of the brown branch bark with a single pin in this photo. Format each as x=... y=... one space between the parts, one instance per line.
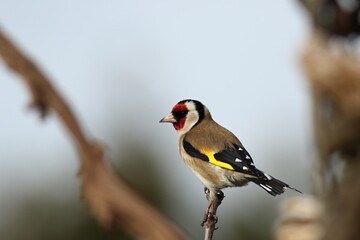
x=110 y=200
x=210 y=219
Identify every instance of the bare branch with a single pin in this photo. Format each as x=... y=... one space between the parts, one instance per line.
x=210 y=219
x=109 y=198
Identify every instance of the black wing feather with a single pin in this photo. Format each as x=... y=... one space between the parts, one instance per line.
x=239 y=159
x=193 y=151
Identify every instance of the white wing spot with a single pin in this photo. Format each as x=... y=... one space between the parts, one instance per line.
x=267 y=187
x=241 y=149
x=252 y=164
x=245 y=168
x=247 y=157
x=238 y=160
x=268 y=176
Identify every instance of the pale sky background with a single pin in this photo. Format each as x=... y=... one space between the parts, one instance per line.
x=124 y=64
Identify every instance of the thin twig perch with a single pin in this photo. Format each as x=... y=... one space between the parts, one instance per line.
x=210 y=219
x=108 y=197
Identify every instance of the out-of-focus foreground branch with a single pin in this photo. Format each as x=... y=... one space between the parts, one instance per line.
x=334 y=77
x=111 y=201
x=332 y=67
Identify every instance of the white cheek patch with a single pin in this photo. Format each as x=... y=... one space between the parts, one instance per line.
x=192 y=118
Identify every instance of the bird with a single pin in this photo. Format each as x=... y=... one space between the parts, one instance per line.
x=213 y=153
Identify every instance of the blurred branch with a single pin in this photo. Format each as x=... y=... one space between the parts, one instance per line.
x=334 y=77
x=300 y=219
x=108 y=197
x=334 y=17
x=210 y=219
x=332 y=69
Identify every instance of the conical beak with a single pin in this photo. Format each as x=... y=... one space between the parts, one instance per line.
x=168 y=119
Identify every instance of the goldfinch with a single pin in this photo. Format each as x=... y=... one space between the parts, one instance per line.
x=213 y=153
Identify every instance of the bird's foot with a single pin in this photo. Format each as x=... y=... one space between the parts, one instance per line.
x=219 y=194
x=207 y=193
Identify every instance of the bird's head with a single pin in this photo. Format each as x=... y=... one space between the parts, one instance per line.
x=185 y=115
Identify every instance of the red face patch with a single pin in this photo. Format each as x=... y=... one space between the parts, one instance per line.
x=180 y=112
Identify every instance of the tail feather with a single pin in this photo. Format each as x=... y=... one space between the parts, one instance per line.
x=272 y=185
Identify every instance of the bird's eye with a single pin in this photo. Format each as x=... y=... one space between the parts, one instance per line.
x=180 y=114
x=183 y=113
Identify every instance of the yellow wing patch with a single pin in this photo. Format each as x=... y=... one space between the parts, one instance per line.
x=212 y=160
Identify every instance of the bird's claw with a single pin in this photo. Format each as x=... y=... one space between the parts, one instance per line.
x=207 y=193
x=220 y=195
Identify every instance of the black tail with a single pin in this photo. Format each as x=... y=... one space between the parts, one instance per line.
x=272 y=185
